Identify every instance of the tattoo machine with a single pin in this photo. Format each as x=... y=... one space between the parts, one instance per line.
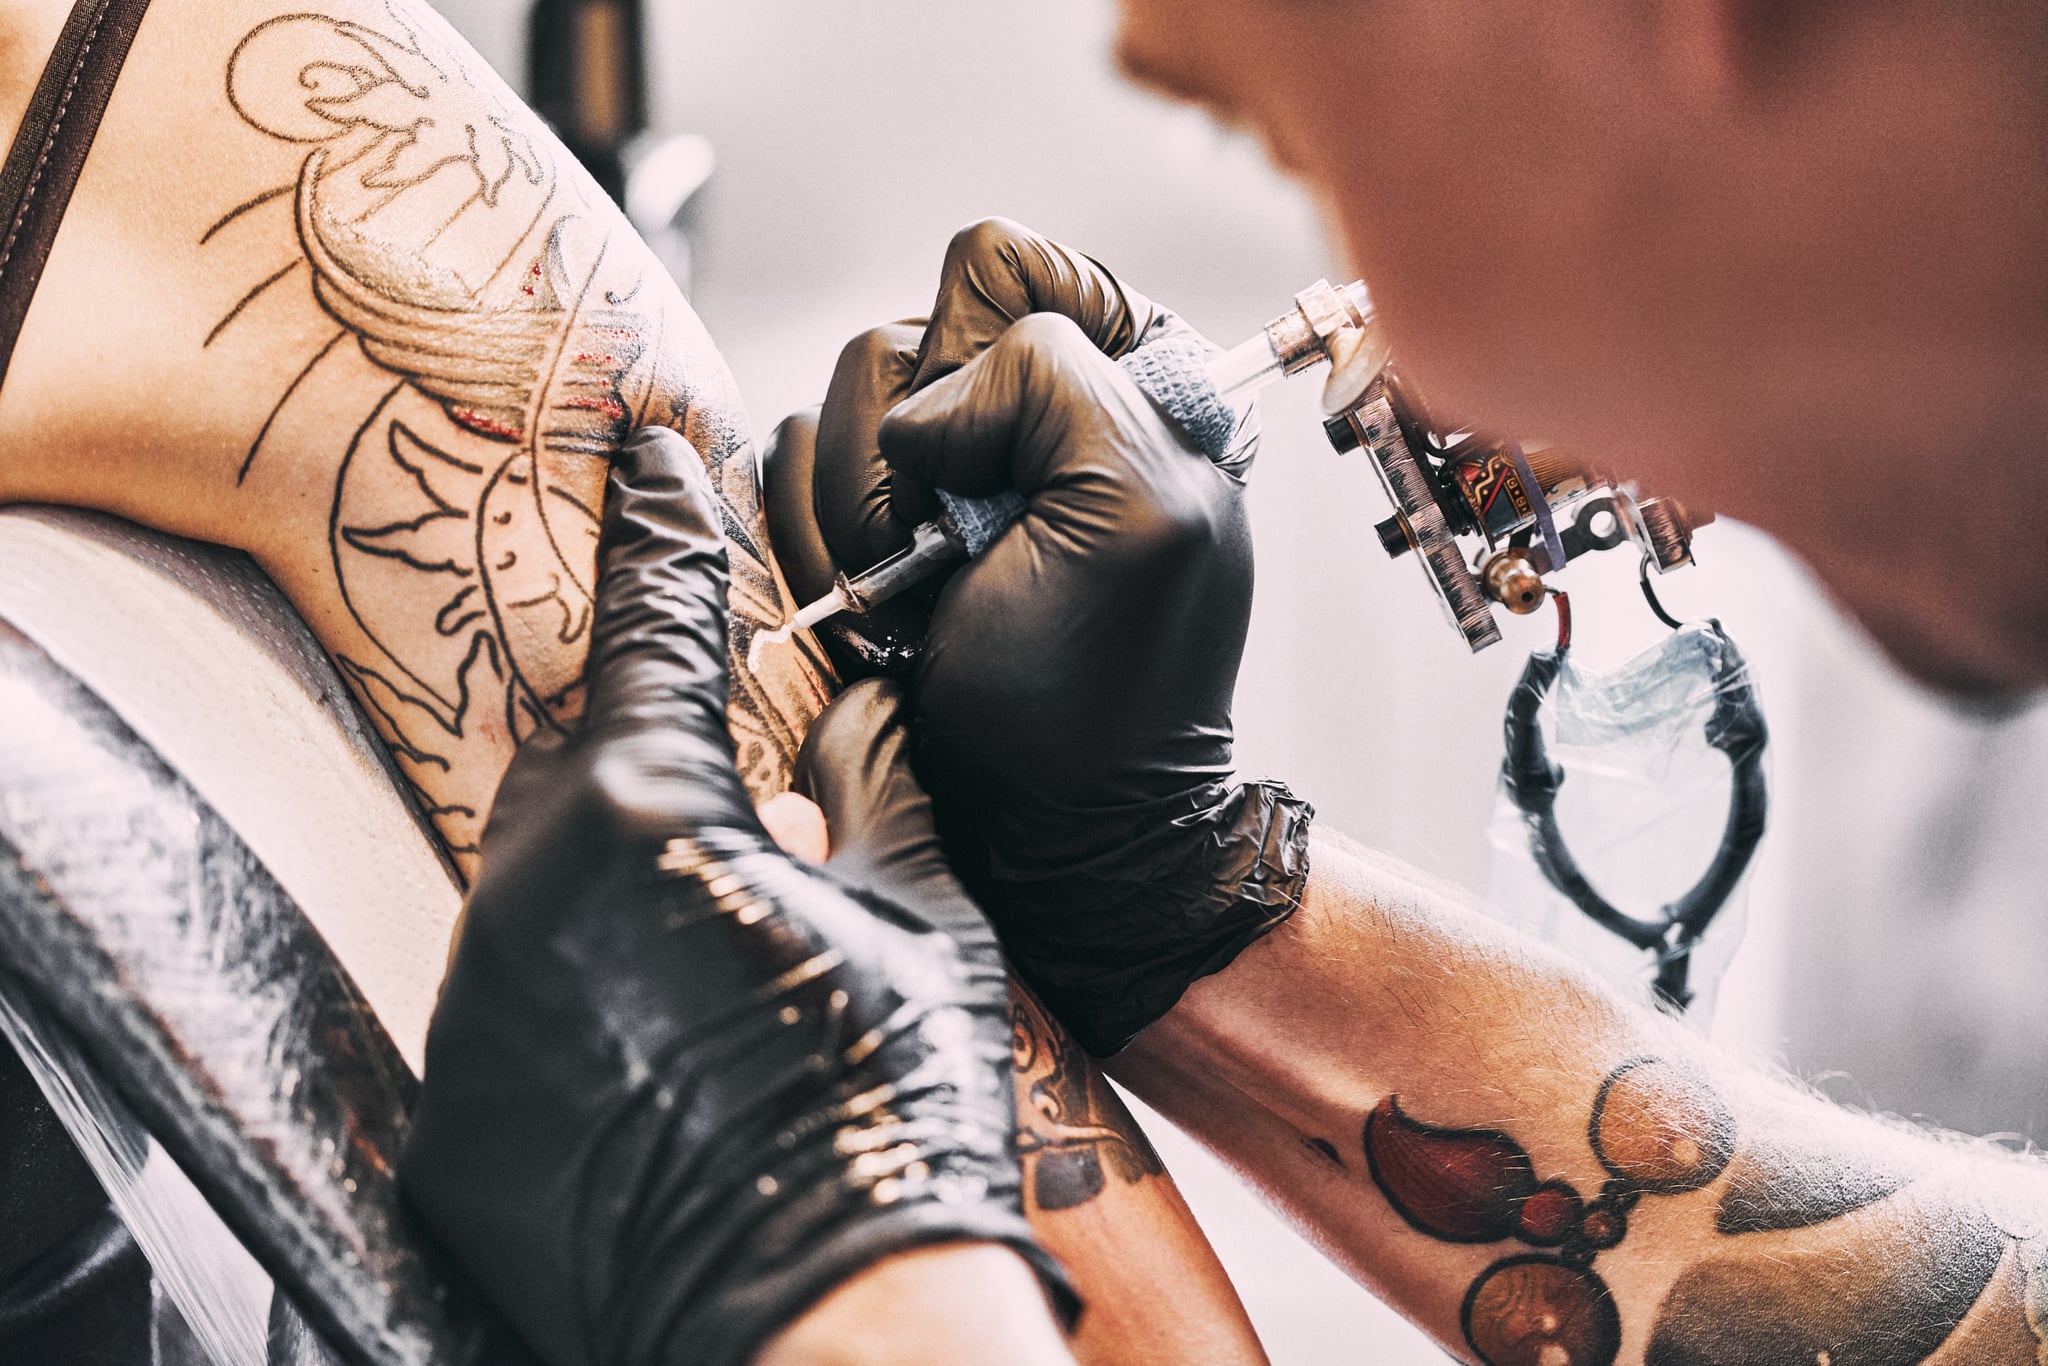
x=1534 y=508
x=1205 y=396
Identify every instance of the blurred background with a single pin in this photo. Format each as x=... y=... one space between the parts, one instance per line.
x=1896 y=931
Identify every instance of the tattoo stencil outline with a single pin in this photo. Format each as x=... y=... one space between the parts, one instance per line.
x=508 y=304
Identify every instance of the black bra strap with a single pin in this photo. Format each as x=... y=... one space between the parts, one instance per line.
x=50 y=150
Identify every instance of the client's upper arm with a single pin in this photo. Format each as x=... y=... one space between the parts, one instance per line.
x=328 y=292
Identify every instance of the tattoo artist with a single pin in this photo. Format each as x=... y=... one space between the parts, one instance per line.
x=1530 y=1168
x=1628 y=223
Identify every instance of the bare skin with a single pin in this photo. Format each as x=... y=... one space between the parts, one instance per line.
x=328 y=294
x=908 y=1309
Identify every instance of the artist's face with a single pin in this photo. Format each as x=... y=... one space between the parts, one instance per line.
x=1771 y=273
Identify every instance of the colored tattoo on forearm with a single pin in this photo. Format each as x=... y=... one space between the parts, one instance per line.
x=521 y=334
x=1657 y=1128
x=1074 y=1133
x=1777 y=1183
x=1820 y=1271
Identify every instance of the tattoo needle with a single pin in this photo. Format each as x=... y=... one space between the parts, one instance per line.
x=1326 y=325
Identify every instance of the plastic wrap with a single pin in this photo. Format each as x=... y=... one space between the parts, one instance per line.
x=1639 y=793
x=219 y=1290
x=136 y=923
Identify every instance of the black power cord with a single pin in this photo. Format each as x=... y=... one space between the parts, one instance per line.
x=1736 y=728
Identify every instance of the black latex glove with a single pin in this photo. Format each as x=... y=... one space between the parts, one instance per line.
x=1074 y=696
x=680 y=1086
x=835 y=506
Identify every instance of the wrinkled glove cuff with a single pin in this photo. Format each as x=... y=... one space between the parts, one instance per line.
x=1112 y=945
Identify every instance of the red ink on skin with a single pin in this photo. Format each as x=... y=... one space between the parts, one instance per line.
x=486 y=426
x=1551 y=1214
x=610 y=408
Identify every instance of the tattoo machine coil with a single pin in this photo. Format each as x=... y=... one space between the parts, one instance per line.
x=1533 y=507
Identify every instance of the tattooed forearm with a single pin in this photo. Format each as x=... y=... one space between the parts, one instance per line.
x=503 y=331
x=1817 y=1258
x=1074 y=1132
x=1657 y=1129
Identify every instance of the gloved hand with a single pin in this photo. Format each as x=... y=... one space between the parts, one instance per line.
x=680 y=1086
x=834 y=505
x=1074 y=701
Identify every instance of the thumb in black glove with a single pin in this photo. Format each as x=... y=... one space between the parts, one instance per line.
x=679 y=1086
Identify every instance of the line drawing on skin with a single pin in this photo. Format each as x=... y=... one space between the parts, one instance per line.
x=459 y=253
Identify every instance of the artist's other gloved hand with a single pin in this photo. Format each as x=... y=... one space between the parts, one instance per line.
x=1073 y=701
x=680 y=1086
x=835 y=506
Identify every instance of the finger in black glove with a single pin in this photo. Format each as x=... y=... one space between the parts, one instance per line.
x=835 y=506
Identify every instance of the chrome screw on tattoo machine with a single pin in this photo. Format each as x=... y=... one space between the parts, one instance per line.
x=1534 y=507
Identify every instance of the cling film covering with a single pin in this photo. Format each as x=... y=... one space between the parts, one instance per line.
x=1642 y=791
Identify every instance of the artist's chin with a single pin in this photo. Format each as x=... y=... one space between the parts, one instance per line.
x=1983 y=686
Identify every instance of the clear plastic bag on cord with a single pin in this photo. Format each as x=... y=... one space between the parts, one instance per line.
x=218 y=1289
x=1630 y=808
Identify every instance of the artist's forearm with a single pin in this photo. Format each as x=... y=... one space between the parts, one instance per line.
x=1540 y=1173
